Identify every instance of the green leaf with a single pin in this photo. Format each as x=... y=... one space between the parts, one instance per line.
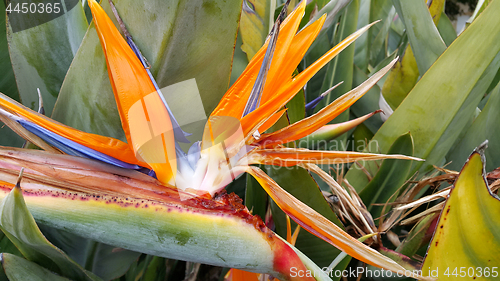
x=156 y=270
x=76 y=247
x=181 y=39
x=301 y=185
x=19 y=269
x=340 y=69
x=6 y=246
x=446 y=29
x=256 y=198
x=485 y=127
x=468 y=232
x=7 y=81
x=401 y=79
x=362 y=51
x=425 y=41
x=111 y=262
x=240 y=61
x=389 y=178
x=255 y=25
x=419 y=236
x=368 y=103
x=296 y=107
x=461 y=76
x=41 y=55
x=20 y=227
x=379 y=10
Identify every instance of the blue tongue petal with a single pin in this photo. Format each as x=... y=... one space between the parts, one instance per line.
x=73 y=148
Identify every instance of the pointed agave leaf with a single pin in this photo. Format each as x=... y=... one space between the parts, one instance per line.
x=18 y=224
x=435 y=127
x=485 y=127
x=56 y=43
x=467 y=235
x=19 y=269
x=425 y=41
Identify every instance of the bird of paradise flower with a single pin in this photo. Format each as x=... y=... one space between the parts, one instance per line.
x=233 y=140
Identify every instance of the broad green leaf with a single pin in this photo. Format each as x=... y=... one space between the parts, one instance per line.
x=467 y=237
x=20 y=227
x=425 y=41
x=379 y=10
x=485 y=127
x=401 y=79
x=405 y=73
x=7 y=81
x=301 y=185
x=296 y=107
x=446 y=29
x=19 y=269
x=6 y=246
x=181 y=39
x=240 y=61
x=368 y=103
x=378 y=47
x=111 y=262
x=389 y=178
x=362 y=51
x=41 y=55
x=255 y=25
x=435 y=127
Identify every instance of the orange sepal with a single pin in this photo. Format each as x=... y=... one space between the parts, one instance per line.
x=255 y=119
x=144 y=118
x=234 y=101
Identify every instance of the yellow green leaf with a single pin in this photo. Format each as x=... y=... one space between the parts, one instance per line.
x=466 y=243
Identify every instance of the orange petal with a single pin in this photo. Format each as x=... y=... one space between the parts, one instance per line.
x=287 y=157
x=254 y=120
x=318 y=225
x=234 y=101
x=272 y=120
x=144 y=118
x=312 y=123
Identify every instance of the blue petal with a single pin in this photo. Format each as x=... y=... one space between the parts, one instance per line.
x=73 y=148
